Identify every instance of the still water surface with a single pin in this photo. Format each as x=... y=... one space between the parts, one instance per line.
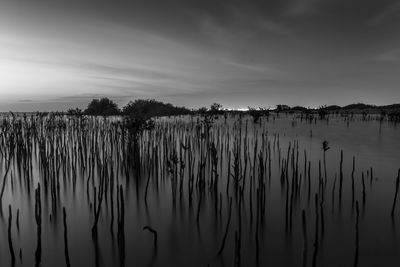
x=185 y=241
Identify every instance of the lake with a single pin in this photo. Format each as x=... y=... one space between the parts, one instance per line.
x=213 y=191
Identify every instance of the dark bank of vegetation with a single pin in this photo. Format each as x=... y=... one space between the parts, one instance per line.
x=356 y=108
x=141 y=107
x=153 y=108
x=385 y=112
x=103 y=106
x=144 y=109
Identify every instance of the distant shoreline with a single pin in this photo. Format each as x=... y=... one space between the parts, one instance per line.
x=358 y=108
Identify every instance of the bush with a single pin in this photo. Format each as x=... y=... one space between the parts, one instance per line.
x=103 y=106
x=74 y=112
x=152 y=108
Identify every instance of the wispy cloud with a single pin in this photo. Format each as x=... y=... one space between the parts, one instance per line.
x=301 y=7
x=277 y=28
x=389 y=11
x=390 y=56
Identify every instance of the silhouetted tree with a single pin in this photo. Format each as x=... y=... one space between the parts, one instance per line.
x=299 y=109
x=74 y=112
x=103 y=106
x=153 y=108
x=358 y=106
x=280 y=108
x=215 y=108
x=202 y=110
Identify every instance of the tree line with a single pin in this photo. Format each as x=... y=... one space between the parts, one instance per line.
x=148 y=108
x=145 y=107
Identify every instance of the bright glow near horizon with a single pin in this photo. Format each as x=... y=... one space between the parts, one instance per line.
x=17 y=78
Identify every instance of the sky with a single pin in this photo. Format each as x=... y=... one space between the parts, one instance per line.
x=58 y=54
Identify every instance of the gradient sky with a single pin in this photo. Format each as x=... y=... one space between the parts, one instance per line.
x=56 y=54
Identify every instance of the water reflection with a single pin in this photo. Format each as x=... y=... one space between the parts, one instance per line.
x=208 y=193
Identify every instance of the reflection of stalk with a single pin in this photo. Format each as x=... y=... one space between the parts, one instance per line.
x=320 y=180
x=198 y=207
x=321 y=205
x=357 y=237
x=363 y=186
x=147 y=188
x=154 y=232
x=316 y=232
x=5 y=176
x=325 y=147
x=371 y=177
x=395 y=194
x=309 y=180
x=10 y=245
x=121 y=226
x=227 y=228
x=17 y=222
x=333 y=194
x=352 y=182
x=66 y=239
x=305 y=165
x=341 y=178
x=38 y=216
x=97 y=208
x=112 y=205
x=304 y=224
